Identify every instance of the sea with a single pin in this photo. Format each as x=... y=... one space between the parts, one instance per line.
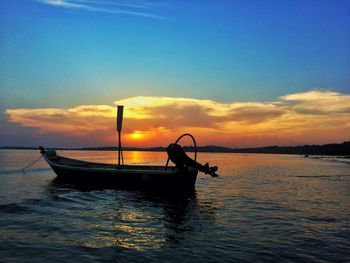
x=262 y=208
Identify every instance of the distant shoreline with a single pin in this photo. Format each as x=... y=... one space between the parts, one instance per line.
x=341 y=149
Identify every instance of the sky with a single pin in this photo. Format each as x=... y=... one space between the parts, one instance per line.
x=233 y=73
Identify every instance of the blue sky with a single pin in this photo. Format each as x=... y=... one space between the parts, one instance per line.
x=59 y=54
x=222 y=50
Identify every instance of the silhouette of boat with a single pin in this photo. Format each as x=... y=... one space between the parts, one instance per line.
x=180 y=177
x=138 y=176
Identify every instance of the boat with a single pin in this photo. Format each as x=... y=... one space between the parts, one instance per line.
x=138 y=176
x=182 y=176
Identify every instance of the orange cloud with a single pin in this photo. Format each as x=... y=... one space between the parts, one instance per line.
x=309 y=117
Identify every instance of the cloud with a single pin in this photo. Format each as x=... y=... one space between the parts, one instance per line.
x=75 y=121
x=309 y=117
x=134 y=8
x=318 y=102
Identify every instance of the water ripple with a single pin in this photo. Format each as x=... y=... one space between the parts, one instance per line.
x=261 y=209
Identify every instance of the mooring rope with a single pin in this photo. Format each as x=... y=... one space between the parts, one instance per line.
x=32 y=163
x=22 y=169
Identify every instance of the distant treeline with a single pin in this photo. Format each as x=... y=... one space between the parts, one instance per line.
x=327 y=149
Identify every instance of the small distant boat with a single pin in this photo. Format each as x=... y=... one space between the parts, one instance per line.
x=180 y=177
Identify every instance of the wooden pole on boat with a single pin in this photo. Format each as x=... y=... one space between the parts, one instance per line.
x=119 y=129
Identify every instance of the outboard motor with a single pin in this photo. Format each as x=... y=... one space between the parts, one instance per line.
x=178 y=156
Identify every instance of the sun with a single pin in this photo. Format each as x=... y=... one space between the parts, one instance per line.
x=136 y=135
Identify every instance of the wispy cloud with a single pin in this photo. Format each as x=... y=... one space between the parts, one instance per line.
x=309 y=117
x=134 y=8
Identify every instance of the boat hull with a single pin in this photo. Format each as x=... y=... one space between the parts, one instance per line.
x=110 y=176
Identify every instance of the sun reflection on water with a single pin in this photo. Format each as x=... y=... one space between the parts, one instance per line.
x=261 y=204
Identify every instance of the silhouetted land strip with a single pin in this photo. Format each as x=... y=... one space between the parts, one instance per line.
x=341 y=149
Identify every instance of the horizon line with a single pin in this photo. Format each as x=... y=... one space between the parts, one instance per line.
x=151 y=147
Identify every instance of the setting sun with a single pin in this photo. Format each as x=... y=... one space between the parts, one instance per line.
x=136 y=135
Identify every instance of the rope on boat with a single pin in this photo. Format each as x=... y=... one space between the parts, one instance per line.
x=32 y=163
x=195 y=147
x=22 y=170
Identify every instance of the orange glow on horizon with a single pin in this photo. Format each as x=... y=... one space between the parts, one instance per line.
x=311 y=117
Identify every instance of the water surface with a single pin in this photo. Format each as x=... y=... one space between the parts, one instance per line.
x=262 y=208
